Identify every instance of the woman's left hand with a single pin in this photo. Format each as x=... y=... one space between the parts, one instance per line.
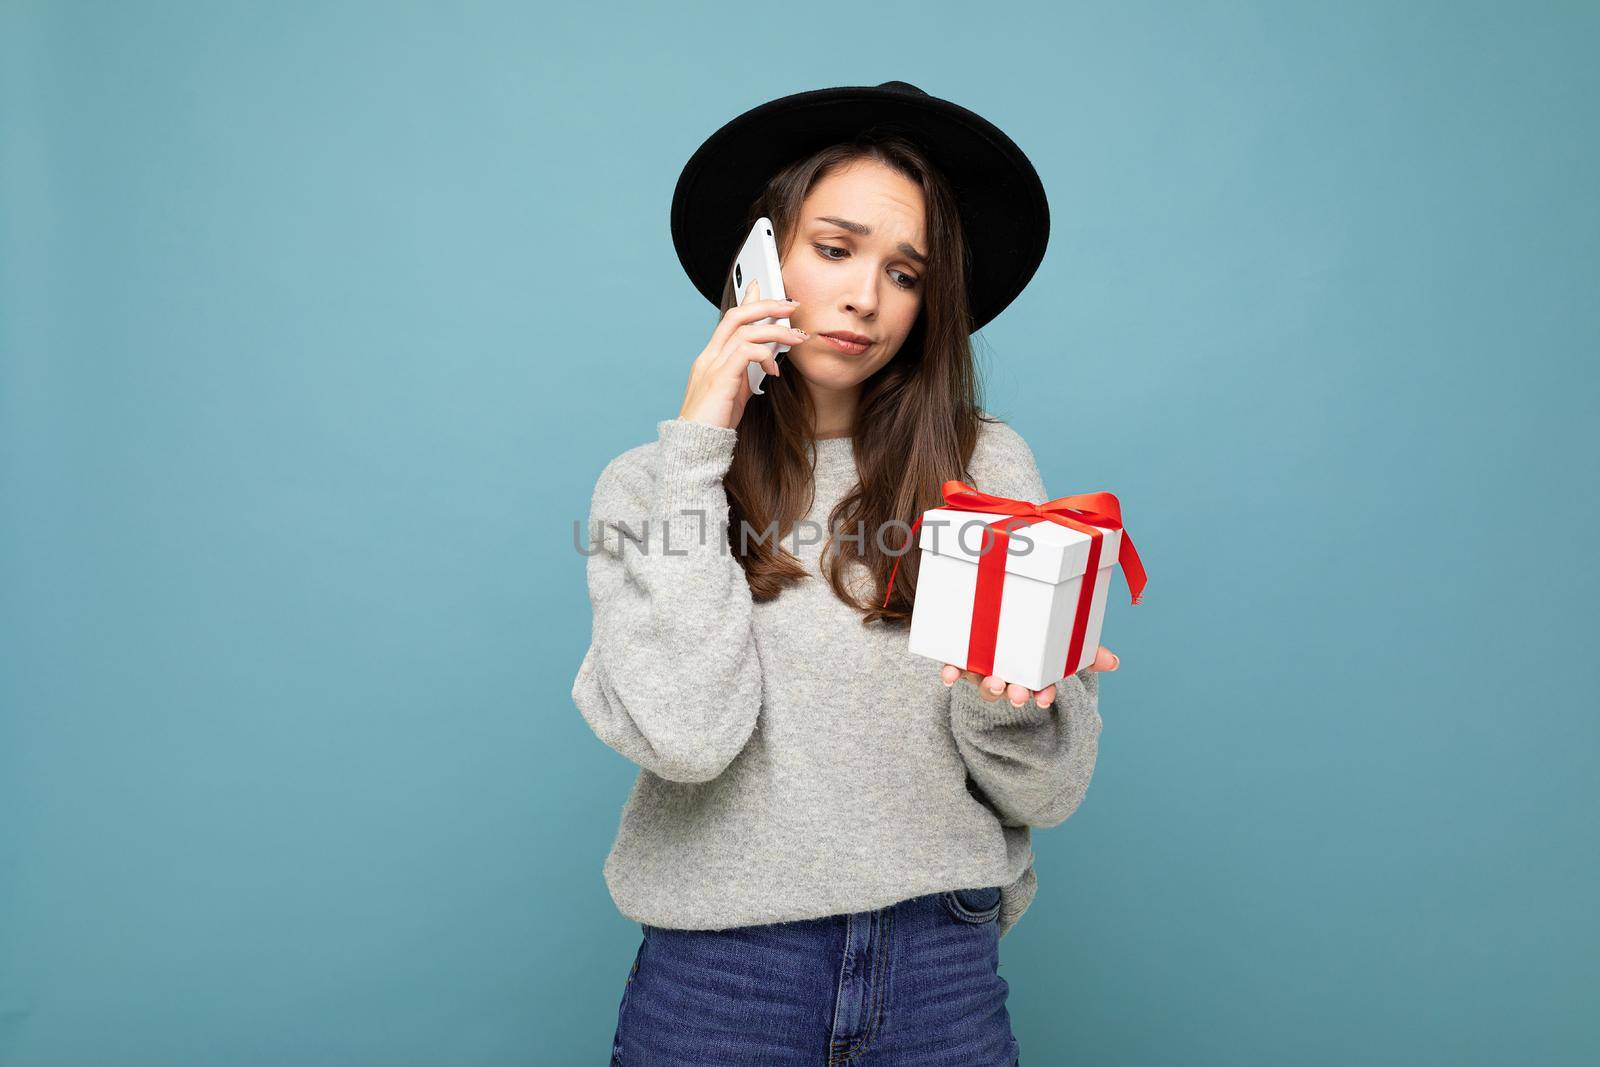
x=991 y=688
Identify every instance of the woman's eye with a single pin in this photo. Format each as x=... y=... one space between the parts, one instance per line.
x=823 y=250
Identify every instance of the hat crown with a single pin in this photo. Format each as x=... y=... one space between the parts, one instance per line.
x=902 y=87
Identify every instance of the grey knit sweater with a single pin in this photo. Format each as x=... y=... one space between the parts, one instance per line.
x=794 y=762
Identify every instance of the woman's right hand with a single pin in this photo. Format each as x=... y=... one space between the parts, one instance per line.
x=719 y=385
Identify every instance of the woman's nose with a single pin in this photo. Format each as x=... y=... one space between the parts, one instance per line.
x=864 y=299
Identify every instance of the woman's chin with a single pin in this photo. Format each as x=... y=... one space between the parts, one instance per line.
x=830 y=371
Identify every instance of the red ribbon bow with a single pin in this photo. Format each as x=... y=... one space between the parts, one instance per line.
x=1086 y=513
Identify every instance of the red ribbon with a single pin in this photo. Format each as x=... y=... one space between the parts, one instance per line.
x=1086 y=513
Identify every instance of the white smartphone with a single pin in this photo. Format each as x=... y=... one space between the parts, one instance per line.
x=758 y=262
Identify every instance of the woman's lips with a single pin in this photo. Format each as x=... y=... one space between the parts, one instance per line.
x=847 y=347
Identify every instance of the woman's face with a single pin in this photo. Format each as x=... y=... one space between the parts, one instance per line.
x=854 y=264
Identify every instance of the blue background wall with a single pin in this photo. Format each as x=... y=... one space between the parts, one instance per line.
x=312 y=351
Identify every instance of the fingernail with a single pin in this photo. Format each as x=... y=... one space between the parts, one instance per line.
x=998 y=688
x=1116 y=661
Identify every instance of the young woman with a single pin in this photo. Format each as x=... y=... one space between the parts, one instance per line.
x=828 y=836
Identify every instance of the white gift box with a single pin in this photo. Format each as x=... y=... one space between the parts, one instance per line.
x=1039 y=599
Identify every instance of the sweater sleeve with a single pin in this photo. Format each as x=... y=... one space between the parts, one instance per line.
x=1032 y=763
x=671 y=679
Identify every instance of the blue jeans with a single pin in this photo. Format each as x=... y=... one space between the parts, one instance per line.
x=915 y=983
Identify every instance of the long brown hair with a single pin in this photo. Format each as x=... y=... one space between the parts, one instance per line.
x=917 y=421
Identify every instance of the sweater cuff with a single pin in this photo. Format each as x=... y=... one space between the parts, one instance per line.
x=694 y=458
x=978 y=715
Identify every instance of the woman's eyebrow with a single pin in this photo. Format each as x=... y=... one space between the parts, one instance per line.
x=866 y=231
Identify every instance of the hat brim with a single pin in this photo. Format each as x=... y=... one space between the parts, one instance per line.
x=999 y=196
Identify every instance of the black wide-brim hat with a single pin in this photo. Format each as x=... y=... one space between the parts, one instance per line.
x=998 y=193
